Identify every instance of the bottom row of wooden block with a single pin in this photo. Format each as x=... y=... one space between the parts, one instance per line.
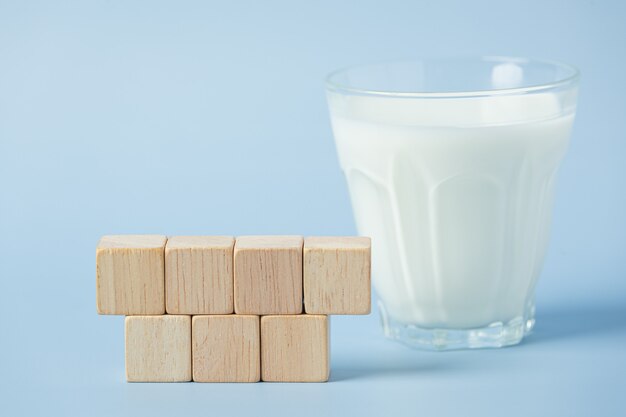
x=227 y=348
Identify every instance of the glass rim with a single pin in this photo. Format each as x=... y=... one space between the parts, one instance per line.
x=570 y=79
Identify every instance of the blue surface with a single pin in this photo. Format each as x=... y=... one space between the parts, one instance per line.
x=163 y=117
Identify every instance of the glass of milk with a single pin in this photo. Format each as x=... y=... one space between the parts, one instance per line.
x=451 y=166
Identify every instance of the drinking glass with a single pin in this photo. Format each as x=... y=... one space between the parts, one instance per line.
x=451 y=166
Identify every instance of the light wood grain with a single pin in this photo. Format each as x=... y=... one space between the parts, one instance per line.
x=130 y=275
x=199 y=275
x=158 y=348
x=268 y=275
x=337 y=275
x=295 y=348
x=226 y=348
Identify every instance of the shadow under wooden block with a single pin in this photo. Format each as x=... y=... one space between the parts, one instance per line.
x=226 y=348
x=337 y=275
x=158 y=348
x=268 y=275
x=199 y=275
x=130 y=275
x=295 y=348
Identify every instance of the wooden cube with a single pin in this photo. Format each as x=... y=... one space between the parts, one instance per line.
x=199 y=275
x=226 y=348
x=337 y=275
x=295 y=348
x=158 y=348
x=130 y=275
x=268 y=275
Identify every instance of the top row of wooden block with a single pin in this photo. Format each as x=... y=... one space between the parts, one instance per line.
x=260 y=275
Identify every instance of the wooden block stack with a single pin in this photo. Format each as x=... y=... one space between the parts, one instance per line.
x=220 y=309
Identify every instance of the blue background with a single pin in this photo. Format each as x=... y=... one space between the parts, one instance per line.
x=210 y=118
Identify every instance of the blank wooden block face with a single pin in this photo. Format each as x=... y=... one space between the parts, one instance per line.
x=337 y=275
x=295 y=348
x=158 y=348
x=199 y=275
x=226 y=348
x=268 y=275
x=130 y=275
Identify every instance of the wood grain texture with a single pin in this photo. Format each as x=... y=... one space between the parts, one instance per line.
x=226 y=348
x=268 y=275
x=295 y=348
x=337 y=275
x=158 y=348
x=130 y=276
x=199 y=275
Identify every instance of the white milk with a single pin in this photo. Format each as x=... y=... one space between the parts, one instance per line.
x=456 y=195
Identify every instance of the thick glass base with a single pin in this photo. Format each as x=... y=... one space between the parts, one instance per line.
x=495 y=335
